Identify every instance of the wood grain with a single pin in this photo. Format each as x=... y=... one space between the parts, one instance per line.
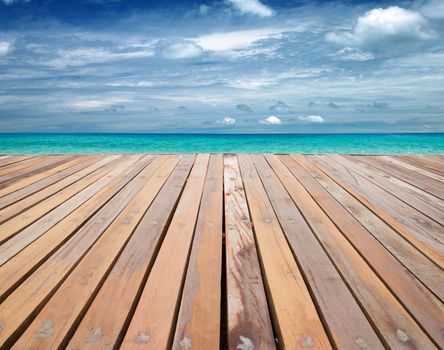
x=247 y=308
x=386 y=313
x=198 y=321
x=347 y=323
x=152 y=323
x=295 y=317
x=103 y=327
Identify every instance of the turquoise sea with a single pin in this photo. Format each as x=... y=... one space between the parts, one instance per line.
x=193 y=143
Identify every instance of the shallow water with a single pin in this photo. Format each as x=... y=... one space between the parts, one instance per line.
x=193 y=143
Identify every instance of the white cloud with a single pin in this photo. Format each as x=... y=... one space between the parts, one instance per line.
x=271 y=120
x=433 y=9
x=94 y=104
x=139 y=84
x=246 y=43
x=312 y=119
x=87 y=55
x=179 y=49
x=253 y=7
x=227 y=121
x=353 y=54
x=5 y=48
x=382 y=28
x=249 y=83
x=242 y=39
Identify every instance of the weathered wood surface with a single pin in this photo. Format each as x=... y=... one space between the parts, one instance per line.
x=221 y=251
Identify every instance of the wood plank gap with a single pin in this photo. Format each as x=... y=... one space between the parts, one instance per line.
x=152 y=324
x=71 y=261
x=342 y=316
x=386 y=313
x=420 y=302
x=294 y=313
x=370 y=195
x=103 y=327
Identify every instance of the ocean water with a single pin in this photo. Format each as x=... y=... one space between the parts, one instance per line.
x=194 y=143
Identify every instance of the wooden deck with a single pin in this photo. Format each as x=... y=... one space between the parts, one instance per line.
x=220 y=251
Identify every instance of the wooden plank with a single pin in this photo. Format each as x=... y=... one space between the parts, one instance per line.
x=422 y=201
x=248 y=316
x=18 y=310
x=424 y=221
x=21 y=265
x=198 y=324
x=44 y=215
x=43 y=175
x=46 y=163
x=423 y=268
x=419 y=301
x=415 y=168
x=24 y=263
x=20 y=241
x=37 y=192
x=347 y=324
x=102 y=326
x=437 y=157
x=383 y=309
x=26 y=162
x=15 y=159
x=426 y=163
x=151 y=326
x=296 y=321
x=434 y=187
x=398 y=215
x=57 y=320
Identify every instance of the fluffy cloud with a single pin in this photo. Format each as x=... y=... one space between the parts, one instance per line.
x=253 y=7
x=227 y=121
x=271 y=120
x=176 y=49
x=383 y=28
x=5 y=48
x=312 y=119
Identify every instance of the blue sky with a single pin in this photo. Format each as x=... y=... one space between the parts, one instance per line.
x=235 y=66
